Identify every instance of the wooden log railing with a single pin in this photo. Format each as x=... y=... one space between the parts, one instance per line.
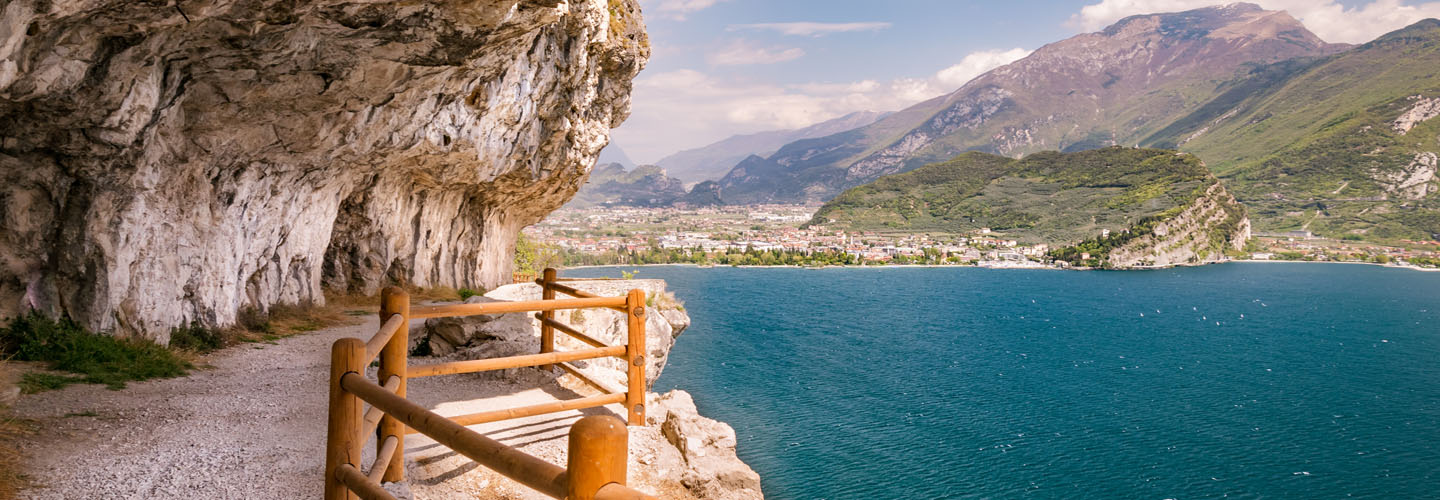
x=596 y=466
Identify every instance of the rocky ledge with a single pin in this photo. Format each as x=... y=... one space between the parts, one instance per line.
x=1198 y=233
x=177 y=162
x=677 y=444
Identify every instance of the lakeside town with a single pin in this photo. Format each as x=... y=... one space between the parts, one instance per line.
x=777 y=235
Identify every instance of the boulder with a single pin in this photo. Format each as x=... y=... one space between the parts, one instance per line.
x=481 y=336
x=712 y=471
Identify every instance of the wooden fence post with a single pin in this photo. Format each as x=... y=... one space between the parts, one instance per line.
x=635 y=357
x=547 y=332
x=598 y=450
x=393 y=360
x=343 y=442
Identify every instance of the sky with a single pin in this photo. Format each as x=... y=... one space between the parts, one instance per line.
x=724 y=67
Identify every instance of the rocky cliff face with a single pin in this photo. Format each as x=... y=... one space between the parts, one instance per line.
x=1200 y=233
x=169 y=162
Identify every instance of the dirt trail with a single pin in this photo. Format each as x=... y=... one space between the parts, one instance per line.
x=252 y=426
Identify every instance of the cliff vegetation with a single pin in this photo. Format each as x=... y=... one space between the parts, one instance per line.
x=1100 y=204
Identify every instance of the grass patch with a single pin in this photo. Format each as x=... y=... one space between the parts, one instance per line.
x=466 y=293
x=97 y=359
x=664 y=301
x=31 y=383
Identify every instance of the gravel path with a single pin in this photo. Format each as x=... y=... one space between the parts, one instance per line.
x=252 y=426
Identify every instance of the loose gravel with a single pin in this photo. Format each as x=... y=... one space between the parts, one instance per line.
x=251 y=425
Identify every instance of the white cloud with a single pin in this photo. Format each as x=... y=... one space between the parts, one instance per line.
x=1329 y=19
x=742 y=53
x=977 y=63
x=683 y=109
x=676 y=9
x=811 y=29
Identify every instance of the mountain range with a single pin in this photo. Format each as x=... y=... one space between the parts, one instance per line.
x=1116 y=86
x=1338 y=145
x=713 y=161
x=1333 y=138
x=643 y=186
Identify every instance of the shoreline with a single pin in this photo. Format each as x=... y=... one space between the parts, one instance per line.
x=1038 y=268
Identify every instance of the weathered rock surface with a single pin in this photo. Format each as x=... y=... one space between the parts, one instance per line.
x=501 y=335
x=1424 y=109
x=173 y=162
x=712 y=471
x=1201 y=233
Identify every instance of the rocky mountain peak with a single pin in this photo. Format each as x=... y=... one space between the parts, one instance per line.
x=1090 y=90
x=1144 y=49
x=1191 y=23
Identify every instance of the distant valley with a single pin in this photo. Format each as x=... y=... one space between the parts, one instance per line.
x=1334 y=139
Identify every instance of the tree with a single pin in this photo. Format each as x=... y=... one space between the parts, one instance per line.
x=532 y=257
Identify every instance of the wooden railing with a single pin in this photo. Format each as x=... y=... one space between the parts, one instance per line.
x=598 y=444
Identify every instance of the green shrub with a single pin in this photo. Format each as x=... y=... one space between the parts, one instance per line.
x=66 y=346
x=466 y=293
x=196 y=337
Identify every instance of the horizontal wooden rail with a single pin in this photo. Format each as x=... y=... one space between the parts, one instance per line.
x=574 y=292
x=567 y=290
x=532 y=472
x=361 y=485
x=387 y=330
x=512 y=307
x=570 y=330
x=383 y=457
x=599 y=386
x=540 y=409
x=485 y=365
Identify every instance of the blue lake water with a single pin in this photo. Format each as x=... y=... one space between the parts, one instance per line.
x=1237 y=380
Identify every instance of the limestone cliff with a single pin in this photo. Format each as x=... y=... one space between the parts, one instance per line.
x=168 y=162
x=1198 y=233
